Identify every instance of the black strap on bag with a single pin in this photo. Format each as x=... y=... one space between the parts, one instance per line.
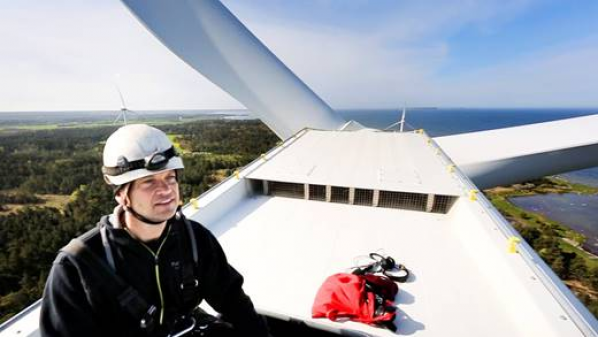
x=128 y=298
x=385 y=265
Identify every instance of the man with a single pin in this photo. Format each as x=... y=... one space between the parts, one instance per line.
x=144 y=269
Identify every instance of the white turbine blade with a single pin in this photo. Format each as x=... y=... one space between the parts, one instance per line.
x=122 y=99
x=516 y=154
x=138 y=115
x=403 y=118
x=117 y=118
x=391 y=126
x=215 y=43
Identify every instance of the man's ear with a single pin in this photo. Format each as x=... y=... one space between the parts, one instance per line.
x=119 y=199
x=122 y=195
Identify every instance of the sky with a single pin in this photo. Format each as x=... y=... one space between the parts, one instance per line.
x=72 y=54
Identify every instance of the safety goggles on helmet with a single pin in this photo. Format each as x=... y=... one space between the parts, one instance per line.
x=154 y=162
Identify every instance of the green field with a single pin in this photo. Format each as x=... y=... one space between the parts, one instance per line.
x=57 y=201
x=107 y=123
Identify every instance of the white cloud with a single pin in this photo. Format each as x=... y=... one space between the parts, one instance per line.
x=400 y=59
x=64 y=54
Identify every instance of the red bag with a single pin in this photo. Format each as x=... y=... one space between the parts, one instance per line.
x=361 y=298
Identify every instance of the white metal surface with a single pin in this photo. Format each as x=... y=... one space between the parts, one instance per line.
x=516 y=154
x=464 y=282
x=24 y=324
x=210 y=39
x=362 y=159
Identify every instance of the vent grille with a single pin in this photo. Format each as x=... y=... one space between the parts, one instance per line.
x=403 y=200
x=287 y=190
x=257 y=186
x=339 y=194
x=317 y=192
x=363 y=197
x=443 y=203
x=358 y=196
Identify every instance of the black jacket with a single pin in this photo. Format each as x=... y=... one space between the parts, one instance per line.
x=76 y=303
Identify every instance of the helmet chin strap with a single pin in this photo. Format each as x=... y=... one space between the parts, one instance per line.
x=141 y=217
x=129 y=209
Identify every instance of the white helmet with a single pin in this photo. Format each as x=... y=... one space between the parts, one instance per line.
x=135 y=151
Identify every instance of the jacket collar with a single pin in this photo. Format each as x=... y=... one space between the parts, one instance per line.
x=122 y=237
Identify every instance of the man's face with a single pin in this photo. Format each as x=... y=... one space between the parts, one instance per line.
x=155 y=197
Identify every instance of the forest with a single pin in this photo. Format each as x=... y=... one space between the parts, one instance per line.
x=67 y=162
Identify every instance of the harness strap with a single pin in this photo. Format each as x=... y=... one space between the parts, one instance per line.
x=128 y=298
x=191 y=237
x=107 y=248
x=190 y=285
x=385 y=265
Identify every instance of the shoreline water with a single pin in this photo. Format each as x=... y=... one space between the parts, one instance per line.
x=533 y=205
x=572 y=210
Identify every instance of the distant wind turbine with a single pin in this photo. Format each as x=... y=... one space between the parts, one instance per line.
x=401 y=121
x=123 y=110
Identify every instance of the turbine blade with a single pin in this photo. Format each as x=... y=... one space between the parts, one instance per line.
x=516 y=154
x=120 y=94
x=207 y=36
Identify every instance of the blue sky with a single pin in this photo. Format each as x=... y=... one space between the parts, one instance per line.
x=67 y=54
x=540 y=27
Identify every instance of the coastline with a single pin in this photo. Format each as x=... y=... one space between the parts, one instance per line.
x=559 y=245
x=571 y=239
x=501 y=199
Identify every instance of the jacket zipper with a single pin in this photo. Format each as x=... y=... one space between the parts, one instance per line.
x=156 y=256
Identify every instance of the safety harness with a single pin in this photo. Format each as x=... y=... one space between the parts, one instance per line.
x=385 y=265
x=127 y=296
